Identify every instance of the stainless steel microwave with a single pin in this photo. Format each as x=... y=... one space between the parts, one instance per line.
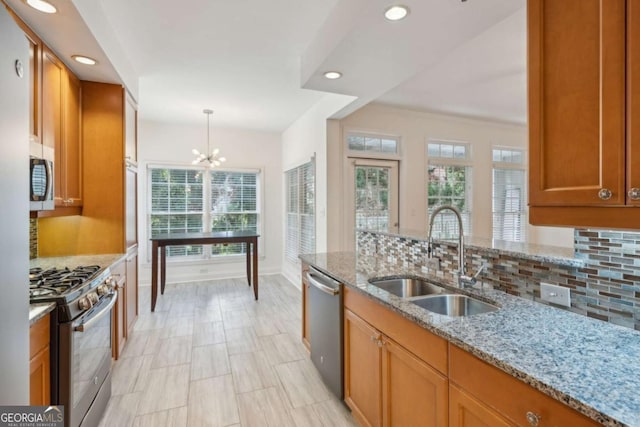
x=41 y=179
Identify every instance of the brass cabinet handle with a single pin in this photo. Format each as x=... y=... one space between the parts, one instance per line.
x=533 y=418
x=605 y=194
x=634 y=193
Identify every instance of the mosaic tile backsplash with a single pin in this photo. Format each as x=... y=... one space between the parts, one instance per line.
x=606 y=287
x=33 y=238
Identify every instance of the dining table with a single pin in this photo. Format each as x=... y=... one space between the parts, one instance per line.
x=160 y=242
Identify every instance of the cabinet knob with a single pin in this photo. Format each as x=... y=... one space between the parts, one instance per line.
x=605 y=194
x=533 y=418
x=634 y=194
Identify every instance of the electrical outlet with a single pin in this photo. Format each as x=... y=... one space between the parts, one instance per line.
x=555 y=294
x=433 y=263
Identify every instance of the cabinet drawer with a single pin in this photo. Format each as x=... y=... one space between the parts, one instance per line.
x=427 y=346
x=508 y=396
x=39 y=336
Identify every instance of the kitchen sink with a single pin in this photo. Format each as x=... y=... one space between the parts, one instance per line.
x=407 y=287
x=454 y=305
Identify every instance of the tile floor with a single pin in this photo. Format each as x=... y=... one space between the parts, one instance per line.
x=212 y=356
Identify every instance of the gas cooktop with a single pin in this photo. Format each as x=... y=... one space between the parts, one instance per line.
x=55 y=283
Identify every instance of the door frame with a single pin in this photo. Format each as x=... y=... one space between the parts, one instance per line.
x=348 y=242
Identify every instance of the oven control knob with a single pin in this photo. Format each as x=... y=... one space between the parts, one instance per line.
x=93 y=298
x=84 y=303
x=103 y=290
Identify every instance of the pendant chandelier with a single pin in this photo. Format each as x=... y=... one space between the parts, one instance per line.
x=210 y=157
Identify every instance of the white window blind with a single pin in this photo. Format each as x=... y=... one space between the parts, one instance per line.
x=301 y=220
x=449 y=183
x=196 y=200
x=509 y=195
x=234 y=206
x=177 y=206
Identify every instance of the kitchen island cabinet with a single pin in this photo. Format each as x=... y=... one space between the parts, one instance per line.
x=584 y=127
x=379 y=372
x=39 y=363
x=119 y=313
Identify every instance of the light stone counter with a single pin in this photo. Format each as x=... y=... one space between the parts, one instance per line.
x=589 y=365
x=38 y=311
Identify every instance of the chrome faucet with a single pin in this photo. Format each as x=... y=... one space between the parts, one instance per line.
x=463 y=279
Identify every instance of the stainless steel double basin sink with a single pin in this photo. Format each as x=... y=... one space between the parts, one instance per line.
x=432 y=297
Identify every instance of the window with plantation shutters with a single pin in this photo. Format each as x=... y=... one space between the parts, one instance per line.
x=509 y=195
x=194 y=200
x=301 y=220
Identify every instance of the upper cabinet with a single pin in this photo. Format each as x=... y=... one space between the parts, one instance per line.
x=131 y=130
x=583 y=120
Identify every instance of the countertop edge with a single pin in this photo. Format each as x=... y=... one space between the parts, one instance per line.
x=38 y=311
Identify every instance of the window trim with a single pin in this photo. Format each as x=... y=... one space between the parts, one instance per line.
x=206 y=215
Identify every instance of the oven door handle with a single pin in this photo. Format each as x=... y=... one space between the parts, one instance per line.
x=84 y=326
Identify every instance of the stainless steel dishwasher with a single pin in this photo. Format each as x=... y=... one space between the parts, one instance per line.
x=325 y=328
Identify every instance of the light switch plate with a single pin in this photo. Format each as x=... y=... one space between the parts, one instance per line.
x=555 y=294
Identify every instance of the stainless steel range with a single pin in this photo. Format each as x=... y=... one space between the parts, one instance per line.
x=80 y=338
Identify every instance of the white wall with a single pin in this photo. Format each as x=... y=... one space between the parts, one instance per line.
x=414 y=129
x=306 y=136
x=161 y=143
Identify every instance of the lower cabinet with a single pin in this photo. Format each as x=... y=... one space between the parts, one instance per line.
x=39 y=363
x=385 y=384
x=484 y=395
x=466 y=411
x=119 y=333
x=131 y=291
x=305 y=305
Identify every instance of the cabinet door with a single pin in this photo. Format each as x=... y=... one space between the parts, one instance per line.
x=52 y=71
x=119 y=315
x=576 y=102
x=362 y=382
x=131 y=206
x=633 y=102
x=70 y=164
x=131 y=130
x=35 y=69
x=305 y=315
x=132 y=291
x=402 y=371
x=465 y=411
x=39 y=379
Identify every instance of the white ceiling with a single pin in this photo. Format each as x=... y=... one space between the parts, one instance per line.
x=259 y=64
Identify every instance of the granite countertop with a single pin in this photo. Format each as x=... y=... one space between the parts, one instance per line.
x=542 y=253
x=38 y=311
x=589 y=365
x=76 y=260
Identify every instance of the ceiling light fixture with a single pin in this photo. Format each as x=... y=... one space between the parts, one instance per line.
x=42 y=6
x=396 y=13
x=332 y=75
x=212 y=158
x=84 y=60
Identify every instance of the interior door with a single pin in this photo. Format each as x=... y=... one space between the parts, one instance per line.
x=372 y=197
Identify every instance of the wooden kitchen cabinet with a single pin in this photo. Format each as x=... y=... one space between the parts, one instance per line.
x=379 y=371
x=69 y=155
x=52 y=75
x=489 y=394
x=119 y=314
x=466 y=411
x=39 y=363
x=131 y=130
x=584 y=146
x=131 y=301
x=305 y=307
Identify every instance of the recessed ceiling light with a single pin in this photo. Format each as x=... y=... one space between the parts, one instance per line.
x=396 y=13
x=42 y=6
x=84 y=60
x=332 y=75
